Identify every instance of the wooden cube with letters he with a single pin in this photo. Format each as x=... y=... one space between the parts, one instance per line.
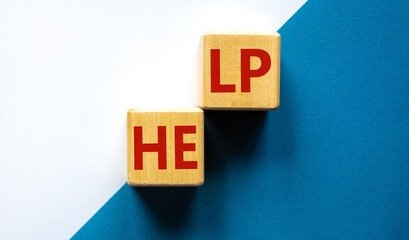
x=241 y=71
x=165 y=147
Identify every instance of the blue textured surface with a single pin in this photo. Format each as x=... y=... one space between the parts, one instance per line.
x=331 y=163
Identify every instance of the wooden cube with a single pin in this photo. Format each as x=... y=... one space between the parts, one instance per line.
x=165 y=147
x=241 y=71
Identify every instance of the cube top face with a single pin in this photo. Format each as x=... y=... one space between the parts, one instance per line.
x=165 y=147
x=241 y=71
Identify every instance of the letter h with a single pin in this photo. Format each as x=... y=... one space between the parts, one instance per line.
x=159 y=147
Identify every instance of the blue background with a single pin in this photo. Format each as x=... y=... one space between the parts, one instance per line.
x=331 y=163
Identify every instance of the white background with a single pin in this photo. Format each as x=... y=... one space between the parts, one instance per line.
x=69 y=70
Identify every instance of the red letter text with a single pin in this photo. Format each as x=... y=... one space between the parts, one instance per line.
x=159 y=147
x=215 y=85
x=181 y=147
x=246 y=72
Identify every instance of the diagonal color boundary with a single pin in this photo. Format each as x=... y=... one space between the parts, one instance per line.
x=331 y=163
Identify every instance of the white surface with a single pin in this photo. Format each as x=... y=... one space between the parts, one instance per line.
x=69 y=70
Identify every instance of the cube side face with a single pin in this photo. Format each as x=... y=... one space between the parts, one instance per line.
x=150 y=174
x=264 y=90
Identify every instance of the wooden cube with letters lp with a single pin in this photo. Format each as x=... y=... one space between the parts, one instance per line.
x=241 y=71
x=165 y=147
